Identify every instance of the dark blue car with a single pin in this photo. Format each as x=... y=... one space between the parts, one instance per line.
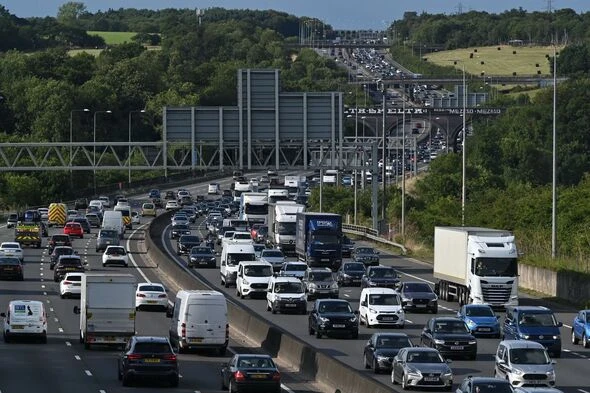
x=480 y=319
x=533 y=323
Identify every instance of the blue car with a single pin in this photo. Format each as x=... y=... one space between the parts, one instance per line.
x=533 y=323
x=480 y=319
x=581 y=328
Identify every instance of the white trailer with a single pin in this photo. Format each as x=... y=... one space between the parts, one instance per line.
x=107 y=309
x=254 y=206
x=282 y=225
x=476 y=265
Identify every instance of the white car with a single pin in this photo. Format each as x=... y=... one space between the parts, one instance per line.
x=72 y=214
x=12 y=249
x=70 y=285
x=151 y=294
x=172 y=205
x=115 y=255
x=43 y=212
x=106 y=201
x=135 y=218
x=213 y=188
x=179 y=219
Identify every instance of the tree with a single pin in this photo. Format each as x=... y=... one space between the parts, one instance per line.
x=69 y=13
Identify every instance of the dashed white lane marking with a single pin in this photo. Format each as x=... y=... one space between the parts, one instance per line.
x=346 y=295
x=77 y=357
x=102 y=391
x=43 y=286
x=408 y=321
x=55 y=320
x=51 y=309
x=68 y=344
x=44 y=293
x=41 y=274
x=88 y=373
x=583 y=391
x=60 y=330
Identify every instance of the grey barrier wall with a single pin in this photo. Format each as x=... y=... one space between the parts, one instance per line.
x=309 y=363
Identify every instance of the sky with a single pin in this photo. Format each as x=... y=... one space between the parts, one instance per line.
x=341 y=14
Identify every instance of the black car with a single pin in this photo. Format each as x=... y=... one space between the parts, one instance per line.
x=350 y=273
x=58 y=240
x=381 y=348
x=251 y=372
x=179 y=230
x=417 y=295
x=158 y=203
x=67 y=264
x=450 y=336
x=485 y=385
x=170 y=195
x=11 y=268
x=81 y=203
x=347 y=246
x=93 y=219
x=380 y=277
x=333 y=316
x=57 y=252
x=186 y=242
x=148 y=357
x=367 y=255
x=201 y=256
x=44 y=229
x=84 y=223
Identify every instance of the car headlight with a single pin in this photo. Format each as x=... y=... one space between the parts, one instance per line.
x=472 y=342
x=517 y=371
x=212 y=259
x=311 y=285
x=524 y=336
x=334 y=285
x=245 y=282
x=353 y=319
x=550 y=374
x=382 y=358
x=470 y=323
x=555 y=337
x=372 y=283
x=324 y=320
x=414 y=374
x=439 y=342
x=373 y=311
x=344 y=275
x=447 y=374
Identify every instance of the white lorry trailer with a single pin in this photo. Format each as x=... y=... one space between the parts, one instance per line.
x=254 y=207
x=107 y=309
x=282 y=225
x=476 y=265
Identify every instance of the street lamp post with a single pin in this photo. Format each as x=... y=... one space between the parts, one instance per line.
x=94 y=146
x=364 y=172
x=464 y=145
x=129 y=145
x=356 y=151
x=554 y=161
x=72 y=134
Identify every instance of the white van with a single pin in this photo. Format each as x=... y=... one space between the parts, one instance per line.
x=231 y=256
x=381 y=307
x=199 y=320
x=286 y=294
x=113 y=220
x=25 y=318
x=253 y=278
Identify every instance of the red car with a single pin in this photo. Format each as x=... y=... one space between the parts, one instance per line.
x=74 y=229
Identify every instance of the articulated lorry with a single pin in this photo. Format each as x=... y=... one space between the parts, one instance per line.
x=476 y=265
x=282 y=228
x=254 y=207
x=318 y=239
x=107 y=309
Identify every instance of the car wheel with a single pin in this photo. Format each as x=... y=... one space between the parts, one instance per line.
x=366 y=361
x=575 y=340
x=273 y=310
x=393 y=381
x=6 y=338
x=318 y=334
x=585 y=341
x=404 y=383
x=44 y=339
x=375 y=367
x=126 y=380
x=310 y=330
x=61 y=295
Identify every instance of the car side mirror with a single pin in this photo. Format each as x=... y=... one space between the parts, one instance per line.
x=426 y=330
x=553 y=362
x=76 y=310
x=458 y=314
x=559 y=324
x=3 y=314
x=356 y=312
x=364 y=303
x=497 y=317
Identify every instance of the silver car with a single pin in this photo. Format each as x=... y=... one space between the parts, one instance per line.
x=275 y=257
x=524 y=363
x=421 y=367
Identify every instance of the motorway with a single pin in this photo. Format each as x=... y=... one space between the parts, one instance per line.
x=64 y=366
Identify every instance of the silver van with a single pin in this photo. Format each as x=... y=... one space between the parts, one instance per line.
x=524 y=363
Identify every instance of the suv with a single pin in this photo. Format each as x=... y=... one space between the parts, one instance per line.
x=67 y=264
x=333 y=316
x=12 y=220
x=106 y=237
x=484 y=384
x=81 y=203
x=57 y=252
x=524 y=364
x=58 y=240
x=146 y=356
x=533 y=323
x=320 y=282
x=285 y=294
x=380 y=276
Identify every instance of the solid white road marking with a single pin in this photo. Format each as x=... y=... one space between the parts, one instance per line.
x=55 y=320
x=285 y=387
x=77 y=357
x=88 y=373
x=68 y=344
x=60 y=330
x=583 y=391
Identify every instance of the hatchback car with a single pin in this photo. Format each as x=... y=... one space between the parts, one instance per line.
x=74 y=229
x=67 y=264
x=71 y=285
x=333 y=316
x=533 y=323
x=115 y=255
x=151 y=295
x=350 y=273
x=485 y=385
x=58 y=240
x=171 y=205
x=185 y=243
x=201 y=256
x=12 y=249
x=381 y=348
x=105 y=238
x=367 y=255
x=524 y=363
x=450 y=336
x=179 y=230
x=252 y=372
x=421 y=367
x=480 y=319
x=418 y=296
x=148 y=357
x=57 y=251
x=11 y=268
x=581 y=328
x=84 y=223
x=380 y=276
x=11 y=220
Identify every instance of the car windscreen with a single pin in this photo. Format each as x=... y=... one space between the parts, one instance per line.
x=354 y=267
x=538 y=319
x=74 y=278
x=476 y=311
x=384 y=299
x=234 y=259
x=320 y=276
x=201 y=250
x=424 y=357
x=382 y=273
x=115 y=251
x=272 y=254
x=335 y=307
x=417 y=287
x=529 y=356
x=393 y=342
x=493 y=387
x=151 y=288
x=190 y=239
x=152 y=347
x=288 y=287
x=108 y=233
x=69 y=261
x=450 y=327
x=258 y=271
x=9 y=261
x=295 y=267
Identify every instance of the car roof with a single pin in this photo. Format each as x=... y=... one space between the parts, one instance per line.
x=521 y=344
x=75 y=274
x=489 y=380
x=531 y=308
x=72 y=256
x=254 y=355
x=332 y=301
x=10 y=244
x=159 y=339
x=151 y=283
x=447 y=319
x=250 y=263
x=319 y=269
x=285 y=279
x=379 y=290
x=391 y=334
x=423 y=349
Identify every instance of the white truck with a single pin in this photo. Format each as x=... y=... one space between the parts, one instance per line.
x=476 y=265
x=282 y=225
x=107 y=309
x=277 y=194
x=293 y=183
x=254 y=207
x=240 y=187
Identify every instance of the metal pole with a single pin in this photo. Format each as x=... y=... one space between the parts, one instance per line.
x=463 y=188
x=321 y=187
x=94 y=148
x=129 y=144
x=383 y=172
x=356 y=153
x=403 y=224
x=554 y=162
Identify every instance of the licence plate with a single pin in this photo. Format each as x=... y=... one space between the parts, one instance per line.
x=338 y=325
x=151 y=302
x=388 y=318
x=195 y=340
x=290 y=305
x=8 y=269
x=485 y=329
x=430 y=379
x=325 y=259
x=420 y=305
x=457 y=348
x=151 y=360
x=258 y=376
x=16 y=327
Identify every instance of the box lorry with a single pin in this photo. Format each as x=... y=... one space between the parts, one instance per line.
x=282 y=219
x=107 y=309
x=318 y=239
x=476 y=265
x=254 y=207
x=276 y=193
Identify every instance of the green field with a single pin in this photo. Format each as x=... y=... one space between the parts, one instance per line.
x=114 y=37
x=497 y=60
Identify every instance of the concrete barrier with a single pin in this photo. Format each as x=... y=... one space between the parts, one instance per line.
x=568 y=285
x=309 y=363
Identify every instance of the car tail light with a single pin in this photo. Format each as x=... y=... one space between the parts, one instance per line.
x=140 y=295
x=134 y=356
x=276 y=376
x=162 y=296
x=239 y=376
x=170 y=356
x=183 y=330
